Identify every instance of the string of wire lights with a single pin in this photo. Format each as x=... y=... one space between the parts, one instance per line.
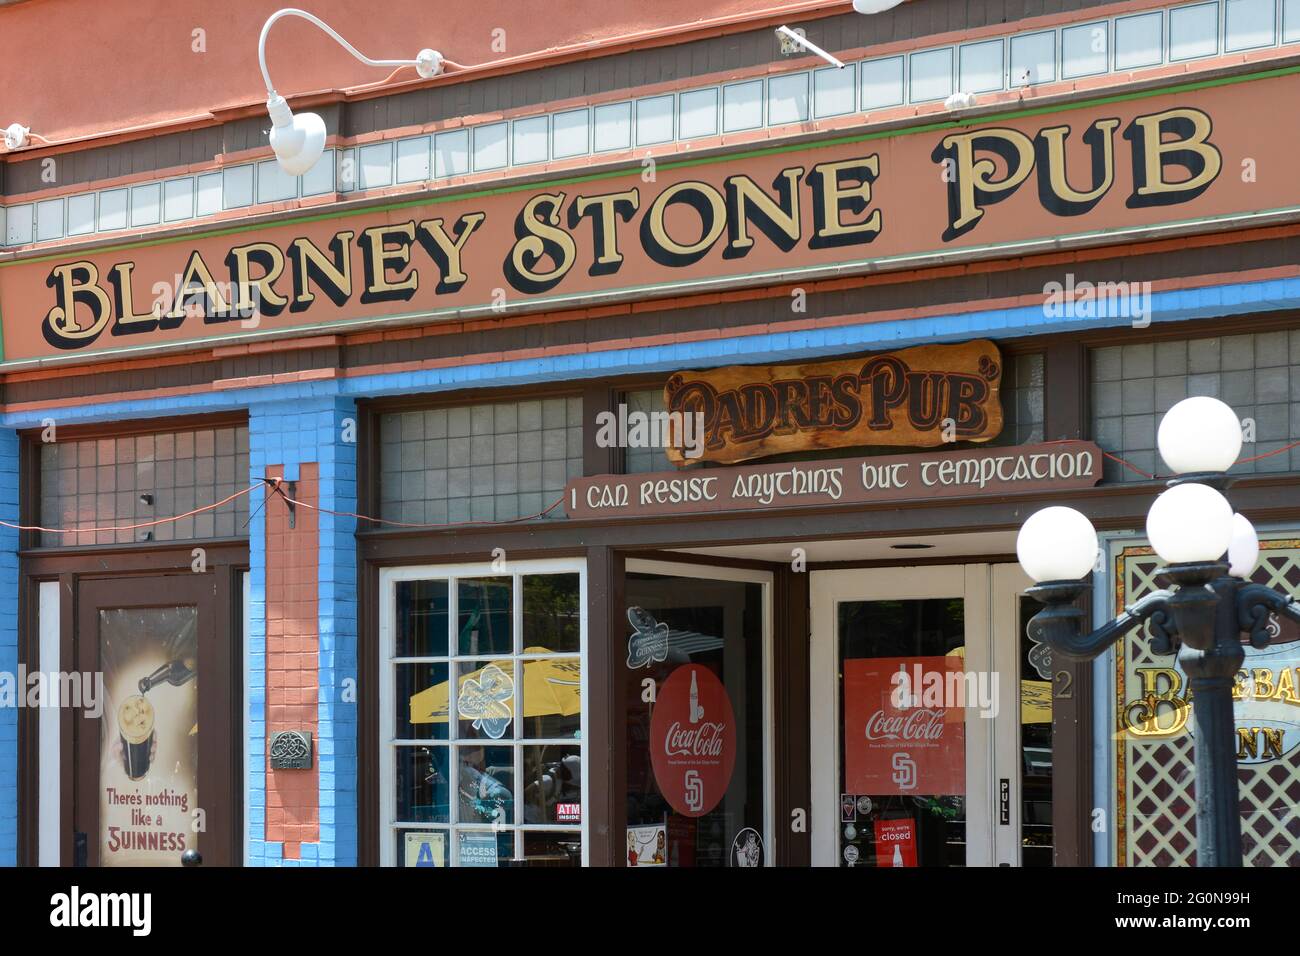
x=274 y=486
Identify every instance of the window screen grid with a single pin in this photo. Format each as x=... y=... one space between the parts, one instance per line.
x=104 y=481
x=1023 y=395
x=496 y=461
x=1257 y=374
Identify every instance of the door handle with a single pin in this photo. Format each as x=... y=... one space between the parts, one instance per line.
x=80 y=849
x=191 y=858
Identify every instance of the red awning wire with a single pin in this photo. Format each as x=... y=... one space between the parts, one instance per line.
x=129 y=527
x=1127 y=464
x=276 y=483
x=1269 y=454
x=1138 y=471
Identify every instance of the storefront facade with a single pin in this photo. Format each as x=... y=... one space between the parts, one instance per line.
x=353 y=487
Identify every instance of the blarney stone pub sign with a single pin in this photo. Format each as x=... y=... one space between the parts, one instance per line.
x=1104 y=166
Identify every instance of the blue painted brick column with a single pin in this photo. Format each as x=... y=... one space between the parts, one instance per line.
x=320 y=429
x=9 y=646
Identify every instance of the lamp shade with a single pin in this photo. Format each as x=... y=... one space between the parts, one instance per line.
x=1199 y=434
x=1243 y=549
x=298 y=140
x=1190 y=524
x=874 y=6
x=1057 y=544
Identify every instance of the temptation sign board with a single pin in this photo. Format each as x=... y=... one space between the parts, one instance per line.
x=862 y=201
x=1053 y=466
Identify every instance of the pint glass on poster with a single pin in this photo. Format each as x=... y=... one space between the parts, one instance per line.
x=135 y=730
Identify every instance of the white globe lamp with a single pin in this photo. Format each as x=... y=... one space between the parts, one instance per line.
x=1190 y=524
x=1243 y=549
x=299 y=140
x=1199 y=434
x=1057 y=544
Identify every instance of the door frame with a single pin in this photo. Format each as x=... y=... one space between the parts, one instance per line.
x=67 y=567
x=766 y=579
x=1007 y=584
x=992 y=746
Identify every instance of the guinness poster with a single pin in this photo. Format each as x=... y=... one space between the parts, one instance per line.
x=148 y=778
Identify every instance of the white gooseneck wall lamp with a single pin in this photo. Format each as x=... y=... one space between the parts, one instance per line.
x=299 y=140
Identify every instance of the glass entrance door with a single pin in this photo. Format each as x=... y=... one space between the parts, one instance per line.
x=697 y=689
x=917 y=717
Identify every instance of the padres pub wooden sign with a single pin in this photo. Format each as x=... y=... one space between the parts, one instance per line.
x=919 y=397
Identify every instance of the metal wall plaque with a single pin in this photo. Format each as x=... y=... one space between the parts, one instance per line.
x=291 y=750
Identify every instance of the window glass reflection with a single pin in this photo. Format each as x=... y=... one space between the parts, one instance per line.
x=421 y=619
x=486 y=784
x=423 y=784
x=553 y=849
x=552 y=784
x=552 y=698
x=552 y=616
x=483 y=615
x=420 y=700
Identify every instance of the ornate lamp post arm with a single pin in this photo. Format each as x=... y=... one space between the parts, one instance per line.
x=1059 y=623
x=1256 y=604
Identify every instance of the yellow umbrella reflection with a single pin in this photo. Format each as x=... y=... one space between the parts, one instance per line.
x=1035 y=702
x=551 y=686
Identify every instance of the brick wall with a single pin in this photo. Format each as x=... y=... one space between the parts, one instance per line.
x=292 y=655
x=303 y=634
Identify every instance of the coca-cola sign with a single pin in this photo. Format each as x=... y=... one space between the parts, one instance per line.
x=915 y=749
x=916 y=724
x=693 y=740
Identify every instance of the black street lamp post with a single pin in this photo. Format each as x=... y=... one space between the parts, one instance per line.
x=1210 y=605
x=1201 y=621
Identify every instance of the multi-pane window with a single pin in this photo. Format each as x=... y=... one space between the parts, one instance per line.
x=1257 y=374
x=483 y=715
x=1023 y=393
x=135 y=479
x=487 y=462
